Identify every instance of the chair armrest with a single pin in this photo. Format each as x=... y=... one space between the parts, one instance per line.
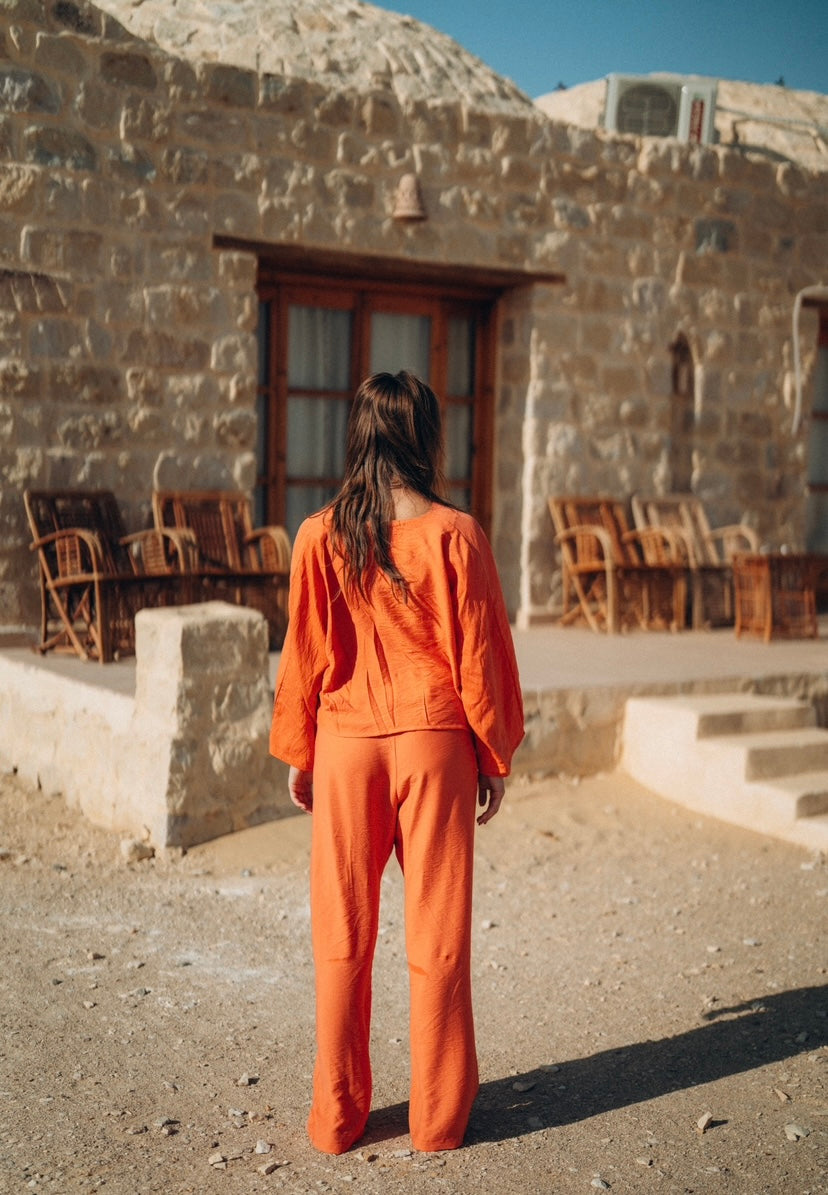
x=735 y=537
x=162 y=550
x=661 y=545
x=587 y=531
x=271 y=548
x=77 y=552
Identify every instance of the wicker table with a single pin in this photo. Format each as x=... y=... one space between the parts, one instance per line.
x=775 y=594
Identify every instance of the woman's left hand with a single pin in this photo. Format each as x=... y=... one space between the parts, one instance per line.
x=300 y=785
x=490 y=793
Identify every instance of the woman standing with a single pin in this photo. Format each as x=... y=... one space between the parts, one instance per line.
x=397 y=703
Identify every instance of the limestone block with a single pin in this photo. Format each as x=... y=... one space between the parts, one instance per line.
x=82 y=19
x=59 y=53
x=201 y=722
x=56 y=338
x=184 y=166
x=166 y=350
x=97 y=105
x=85 y=382
x=126 y=69
x=213 y=127
x=53 y=146
x=25 y=91
x=17 y=186
x=228 y=85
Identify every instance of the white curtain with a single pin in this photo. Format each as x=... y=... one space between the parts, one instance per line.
x=401 y=342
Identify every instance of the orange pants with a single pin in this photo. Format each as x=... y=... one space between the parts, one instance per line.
x=414 y=792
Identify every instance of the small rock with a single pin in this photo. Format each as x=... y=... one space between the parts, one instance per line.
x=247 y=1080
x=236 y=1113
x=488 y=924
x=524 y=1085
x=644 y=1161
x=135 y=851
x=781 y=1095
x=94 y=956
x=89 y=1004
x=751 y=942
x=269 y=1167
x=600 y=1183
x=217 y=1160
x=367 y=1157
x=403 y=1153
x=795 y=1132
x=704 y=1122
x=262 y=1147
x=164 y=1121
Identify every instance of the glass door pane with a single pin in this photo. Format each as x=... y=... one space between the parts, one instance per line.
x=459 y=418
x=319 y=373
x=401 y=341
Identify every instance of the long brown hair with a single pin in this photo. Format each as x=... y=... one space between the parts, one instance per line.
x=394 y=437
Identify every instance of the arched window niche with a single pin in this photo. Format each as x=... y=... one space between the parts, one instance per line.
x=682 y=413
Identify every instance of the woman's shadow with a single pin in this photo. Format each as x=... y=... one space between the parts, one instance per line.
x=767 y=1029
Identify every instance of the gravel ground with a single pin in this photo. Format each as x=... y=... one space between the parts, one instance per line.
x=650 y=989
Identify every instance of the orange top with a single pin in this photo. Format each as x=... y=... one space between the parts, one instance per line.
x=442 y=660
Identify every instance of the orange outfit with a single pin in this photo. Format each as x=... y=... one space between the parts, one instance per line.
x=396 y=707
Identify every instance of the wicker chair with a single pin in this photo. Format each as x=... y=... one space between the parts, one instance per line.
x=233 y=560
x=93 y=577
x=620 y=577
x=709 y=552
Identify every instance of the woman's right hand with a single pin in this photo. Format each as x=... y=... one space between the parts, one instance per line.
x=300 y=785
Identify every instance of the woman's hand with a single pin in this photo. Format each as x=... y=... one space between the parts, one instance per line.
x=300 y=785
x=490 y=793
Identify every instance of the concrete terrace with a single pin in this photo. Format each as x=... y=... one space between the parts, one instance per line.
x=570 y=664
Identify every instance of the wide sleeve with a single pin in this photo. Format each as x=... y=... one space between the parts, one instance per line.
x=488 y=672
x=303 y=661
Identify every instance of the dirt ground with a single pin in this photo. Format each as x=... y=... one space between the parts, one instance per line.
x=651 y=994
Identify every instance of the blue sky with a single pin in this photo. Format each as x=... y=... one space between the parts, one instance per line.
x=540 y=43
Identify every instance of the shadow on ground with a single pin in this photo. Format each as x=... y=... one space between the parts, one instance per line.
x=767 y=1029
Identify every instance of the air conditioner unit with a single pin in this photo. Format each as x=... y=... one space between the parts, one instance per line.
x=680 y=106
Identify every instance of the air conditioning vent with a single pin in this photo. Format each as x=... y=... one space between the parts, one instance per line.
x=661 y=106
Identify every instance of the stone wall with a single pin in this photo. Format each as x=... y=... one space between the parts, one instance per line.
x=127 y=340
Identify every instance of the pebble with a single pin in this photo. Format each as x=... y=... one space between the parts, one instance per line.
x=403 y=1153
x=795 y=1132
x=704 y=1122
x=269 y=1167
x=218 y=1161
x=262 y=1147
x=600 y=1183
x=135 y=851
x=751 y=942
x=524 y=1085
x=247 y=1080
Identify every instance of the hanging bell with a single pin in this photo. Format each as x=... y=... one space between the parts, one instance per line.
x=408 y=200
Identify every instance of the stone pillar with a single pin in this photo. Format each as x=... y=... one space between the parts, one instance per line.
x=202 y=714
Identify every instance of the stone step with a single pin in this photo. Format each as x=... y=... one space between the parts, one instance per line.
x=757 y=762
x=779 y=752
x=749 y=714
x=807 y=791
